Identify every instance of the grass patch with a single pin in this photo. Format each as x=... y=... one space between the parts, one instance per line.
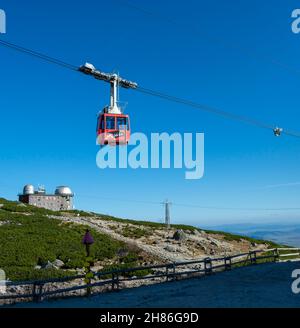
x=135 y=232
x=31 y=238
x=16 y=207
x=77 y=213
x=131 y=260
x=35 y=239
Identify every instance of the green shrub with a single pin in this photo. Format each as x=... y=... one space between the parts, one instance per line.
x=115 y=267
x=33 y=240
x=135 y=232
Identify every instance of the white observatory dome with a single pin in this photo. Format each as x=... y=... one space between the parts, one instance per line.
x=28 y=190
x=63 y=191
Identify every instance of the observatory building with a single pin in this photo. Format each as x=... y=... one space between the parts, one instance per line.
x=61 y=200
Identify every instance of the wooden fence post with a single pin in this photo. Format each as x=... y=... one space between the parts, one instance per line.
x=228 y=263
x=276 y=254
x=174 y=271
x=39 y=299
x=118 y=281
x=207 y=266
x=34 y=296
x=253 y=258
x=37 y=291
x=115 y=281
x=167 y=272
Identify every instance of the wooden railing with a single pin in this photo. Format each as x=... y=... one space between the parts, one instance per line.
x=288 y=253
x=114 y=280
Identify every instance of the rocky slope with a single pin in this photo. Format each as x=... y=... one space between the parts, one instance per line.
x=32 y=239
x=173 y=245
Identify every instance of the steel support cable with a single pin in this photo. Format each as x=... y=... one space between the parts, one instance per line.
x=154 y=93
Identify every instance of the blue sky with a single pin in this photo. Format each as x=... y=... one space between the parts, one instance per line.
x=218 y=53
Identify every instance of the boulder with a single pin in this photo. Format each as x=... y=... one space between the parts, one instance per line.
x=171 y=249
x=179 y=235
x=50 y=265
x=202 y=247
x=58 y=263
x=122 y=252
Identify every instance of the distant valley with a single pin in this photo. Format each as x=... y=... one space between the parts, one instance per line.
x=288 y=234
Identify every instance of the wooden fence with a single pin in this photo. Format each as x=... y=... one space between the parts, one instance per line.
x=115 y=280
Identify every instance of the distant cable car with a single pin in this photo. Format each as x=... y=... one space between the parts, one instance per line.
x=113 y=127
x=277 y=131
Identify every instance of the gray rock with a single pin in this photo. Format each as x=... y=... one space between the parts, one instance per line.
x=14 y=289
x=171 y=249
x=202 y=247
x=179 y=235
x=50 y=265
x=37 y=267
x=58 y=263
x=122 y=252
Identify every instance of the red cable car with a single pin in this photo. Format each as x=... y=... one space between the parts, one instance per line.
x=113 y=129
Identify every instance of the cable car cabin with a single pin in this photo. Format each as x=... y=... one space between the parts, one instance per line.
x=113 y=129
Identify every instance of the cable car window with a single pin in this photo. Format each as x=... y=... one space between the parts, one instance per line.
x=110 y=122
x=122 y=123
x=102 y=123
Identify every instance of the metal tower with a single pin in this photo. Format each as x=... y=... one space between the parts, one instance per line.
x=167 y=205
